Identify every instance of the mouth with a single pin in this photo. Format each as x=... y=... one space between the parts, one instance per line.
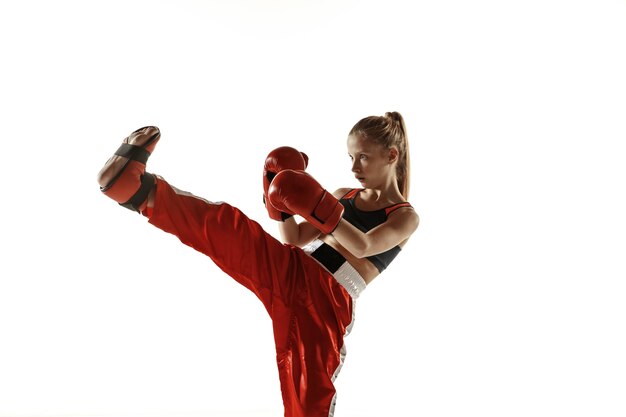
x=360 y=179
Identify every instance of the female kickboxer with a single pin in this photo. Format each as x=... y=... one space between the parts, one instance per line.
x=309 y=283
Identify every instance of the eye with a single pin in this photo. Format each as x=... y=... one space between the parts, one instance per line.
x=351 y=158
x=363 y=157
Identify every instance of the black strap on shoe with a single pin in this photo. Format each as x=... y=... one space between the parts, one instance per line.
x=147 y=183
x=133 y=152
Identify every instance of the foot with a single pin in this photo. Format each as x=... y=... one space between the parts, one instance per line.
x=123 y=176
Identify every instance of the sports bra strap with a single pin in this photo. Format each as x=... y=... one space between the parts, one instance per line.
x=393 y=208
x=388 y=210
x=350 y=194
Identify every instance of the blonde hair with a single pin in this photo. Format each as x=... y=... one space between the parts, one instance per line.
x=389 y=131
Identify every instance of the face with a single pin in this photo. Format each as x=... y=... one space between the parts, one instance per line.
x=373 y=165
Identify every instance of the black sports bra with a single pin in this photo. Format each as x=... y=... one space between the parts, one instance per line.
x=367 y=220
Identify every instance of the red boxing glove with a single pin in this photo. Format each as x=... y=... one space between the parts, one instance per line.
x=279 y=159
x=296 y=192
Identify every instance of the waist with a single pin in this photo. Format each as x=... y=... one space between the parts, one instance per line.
x=336 y=264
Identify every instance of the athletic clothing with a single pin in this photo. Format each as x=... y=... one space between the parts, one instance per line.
x=366 y=221
x=311 y=307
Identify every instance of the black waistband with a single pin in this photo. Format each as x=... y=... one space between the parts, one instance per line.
x=328 y=257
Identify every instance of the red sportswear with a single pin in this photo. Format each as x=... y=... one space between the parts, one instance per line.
x=311 y=311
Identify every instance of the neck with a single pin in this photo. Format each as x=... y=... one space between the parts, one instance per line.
x=388 y=191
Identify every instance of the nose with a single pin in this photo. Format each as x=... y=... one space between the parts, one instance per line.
x=355 y=165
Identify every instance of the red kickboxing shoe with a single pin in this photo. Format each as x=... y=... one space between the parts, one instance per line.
x=123 y=177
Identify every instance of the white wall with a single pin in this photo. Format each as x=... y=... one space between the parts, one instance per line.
x=508 y=301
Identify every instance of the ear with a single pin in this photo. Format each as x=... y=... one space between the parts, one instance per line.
x=393 y=154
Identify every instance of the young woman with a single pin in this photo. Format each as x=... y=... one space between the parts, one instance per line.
x=308 y=284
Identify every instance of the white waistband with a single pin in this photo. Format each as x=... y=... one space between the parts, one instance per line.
x=346 y=275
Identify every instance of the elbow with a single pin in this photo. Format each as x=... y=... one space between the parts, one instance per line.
x=290 y=240
x=293 y=239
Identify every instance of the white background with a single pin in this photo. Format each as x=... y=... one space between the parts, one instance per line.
x=509 y=299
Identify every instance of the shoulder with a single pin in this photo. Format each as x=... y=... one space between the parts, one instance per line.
x=407 y=216
x=340 y=192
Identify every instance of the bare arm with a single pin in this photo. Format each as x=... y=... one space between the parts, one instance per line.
x=300 y=234
x=398 y=227
x=297 y=234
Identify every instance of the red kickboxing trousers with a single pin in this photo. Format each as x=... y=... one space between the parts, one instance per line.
x=310 y=311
